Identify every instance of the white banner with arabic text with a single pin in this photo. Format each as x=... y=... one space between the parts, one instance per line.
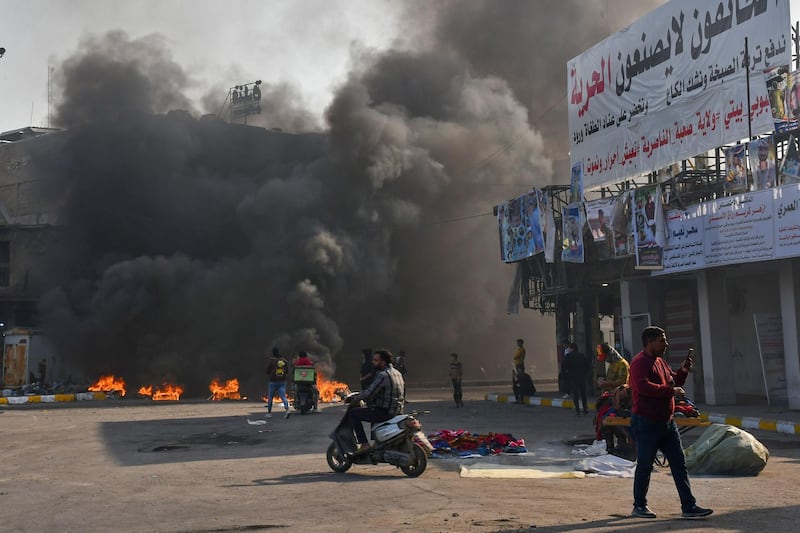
x=672 y=85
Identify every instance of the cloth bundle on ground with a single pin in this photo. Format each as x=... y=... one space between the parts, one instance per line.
x=522 y=384
x=724 y=449
x=463 y=443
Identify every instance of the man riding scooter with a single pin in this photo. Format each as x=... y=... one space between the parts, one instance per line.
x=384 y=398
x=309 y=386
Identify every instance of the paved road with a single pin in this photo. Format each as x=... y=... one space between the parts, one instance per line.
x=145 y=466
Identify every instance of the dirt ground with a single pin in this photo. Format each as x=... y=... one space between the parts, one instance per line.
x=141 y=466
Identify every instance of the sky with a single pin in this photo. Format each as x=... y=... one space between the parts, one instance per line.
x=435 y=112
x=306 y=43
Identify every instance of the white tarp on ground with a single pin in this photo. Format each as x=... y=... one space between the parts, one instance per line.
x=608 y=465
x=521 y=472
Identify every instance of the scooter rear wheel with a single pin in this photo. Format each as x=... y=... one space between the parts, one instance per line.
x=419 y=465
x=337 y=460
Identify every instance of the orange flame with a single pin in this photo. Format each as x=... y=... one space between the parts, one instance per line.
x=331 y=391
x=108 y=384
x=228 y=391
x=165 y=392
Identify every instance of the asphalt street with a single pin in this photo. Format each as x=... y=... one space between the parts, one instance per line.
x=200 y=466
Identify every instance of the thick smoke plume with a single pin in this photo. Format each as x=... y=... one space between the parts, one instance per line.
x=190 y=247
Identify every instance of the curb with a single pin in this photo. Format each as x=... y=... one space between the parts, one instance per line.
x=746 y=422
x=53 y=398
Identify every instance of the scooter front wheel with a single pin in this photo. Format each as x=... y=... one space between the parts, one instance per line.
x=337 y=460
x=417 y=467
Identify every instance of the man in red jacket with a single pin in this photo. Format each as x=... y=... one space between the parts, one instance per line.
x=654 y=386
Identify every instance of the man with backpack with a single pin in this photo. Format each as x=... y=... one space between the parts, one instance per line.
x=277 y=374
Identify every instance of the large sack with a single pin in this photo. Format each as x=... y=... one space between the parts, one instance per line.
x=724 y=449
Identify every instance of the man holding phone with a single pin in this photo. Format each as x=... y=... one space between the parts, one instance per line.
x=654 y=386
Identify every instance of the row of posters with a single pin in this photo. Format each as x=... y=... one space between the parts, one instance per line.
x=631 y=224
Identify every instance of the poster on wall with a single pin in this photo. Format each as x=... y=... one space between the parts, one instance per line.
x=648 y=226
x=790 y=166
x=740 y=228
x=778 y=89
x=762 y=163
x=621 y=226
x=576 y=183
x=684 y=247
x=769 y=334
x=548 y=224
x=599 y=214
x=572 y=222
x=520 y=228
x=736 y=170
x=787 y=220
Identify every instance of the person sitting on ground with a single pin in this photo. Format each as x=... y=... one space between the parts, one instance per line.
x=617 y=371
x=384 y=397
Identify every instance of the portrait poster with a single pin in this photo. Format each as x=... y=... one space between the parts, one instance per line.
x=548 y=224
x=576 y=183
x=762 y=163
x=648 y=225
x=790 y=166
x=520 y=228
x=599 y=214
x=777 y=88
x=621 y=225
x=572 y=222
x=736 y=169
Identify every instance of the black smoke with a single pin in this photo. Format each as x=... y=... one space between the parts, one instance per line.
x=189 y=247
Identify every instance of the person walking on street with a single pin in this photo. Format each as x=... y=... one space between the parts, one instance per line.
x=456 y=372
x=654 y=386
x=576 y=366
x=400 y=365
x=278 y=374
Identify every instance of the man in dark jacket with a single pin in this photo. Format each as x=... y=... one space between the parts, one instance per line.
x=576 y=367
x=384 y=397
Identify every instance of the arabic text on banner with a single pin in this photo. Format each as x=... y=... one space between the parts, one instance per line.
x=787 y=220
x=684 y=247
x=739 y=228
x=672 y=85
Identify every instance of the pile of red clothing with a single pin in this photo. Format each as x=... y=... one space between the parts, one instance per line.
x=461 y=442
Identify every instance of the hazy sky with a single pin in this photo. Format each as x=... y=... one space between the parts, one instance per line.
x=220 y=44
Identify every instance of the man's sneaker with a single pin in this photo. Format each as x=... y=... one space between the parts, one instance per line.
x=268 y=415
x=696 y=512
x=643 y=511
x=287 y=414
